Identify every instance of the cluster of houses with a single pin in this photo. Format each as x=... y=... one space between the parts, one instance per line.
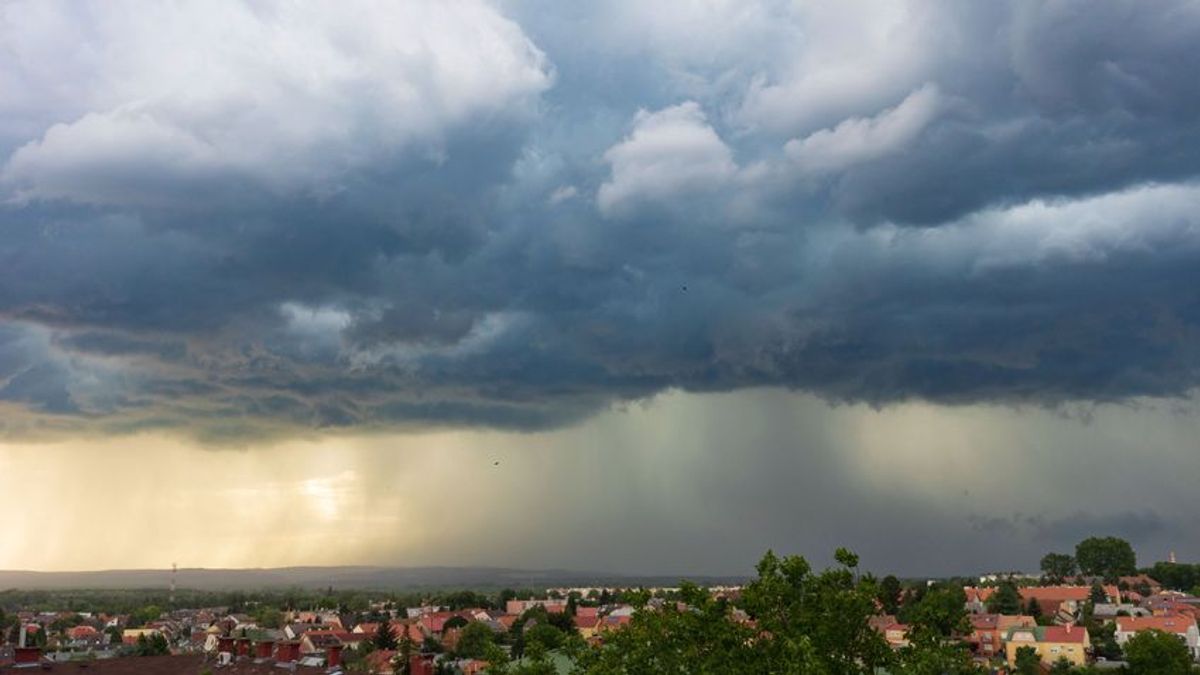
x=321 y=641
x=312 y=639
x=1060 y=634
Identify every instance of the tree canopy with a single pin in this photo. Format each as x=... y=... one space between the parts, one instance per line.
x=1006 y=599
x=1153 y=652
x=797 y=621
x=1057 y=567
x=474 y=641
x=1108 y=557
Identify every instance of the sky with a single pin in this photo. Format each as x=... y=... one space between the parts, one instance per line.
x=281 y=283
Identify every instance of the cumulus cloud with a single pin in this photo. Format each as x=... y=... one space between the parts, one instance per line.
x=286 y=96
x=256 y=217
x=670 y=153
x=858 y=139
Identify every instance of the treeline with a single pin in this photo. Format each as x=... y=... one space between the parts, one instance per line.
x=1176 y=576
x=792 y=619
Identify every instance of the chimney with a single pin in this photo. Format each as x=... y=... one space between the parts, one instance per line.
x=263 y=649
x=21 y=643
x=287 y=651
x=333 y=656
x=1068 y=628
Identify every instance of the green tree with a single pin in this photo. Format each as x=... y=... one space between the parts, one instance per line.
x=937 y=621
x=1006 y=599
x=385 y=636
x=1061 y=667
x=544 y=634
x=1058 y=566
x=153 y=645
x=941 y=610
x=474 y=641
x=1154 y=652
x=504 y=596
x=889 y=594
x=144 y=615
x=1108 y=557
x=1104 y=639
x=821 y=618
x=1097 y=595
x=1034 y=609
x=1027 y=661
x=701 y=640
x=268 y=617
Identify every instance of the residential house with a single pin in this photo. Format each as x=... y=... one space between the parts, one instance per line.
x=1064 y=602
x=1140 y=582
x=130 y=636
x=1105 y=611
x=1182 y=627
x=977 y=598
x=894 y=632
x=587 y=625
x=1051 y=643
x=989 y=630
x=318 y=641
x=293 y=631
x=552 y=605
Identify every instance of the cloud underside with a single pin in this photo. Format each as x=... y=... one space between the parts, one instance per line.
x=265 y=219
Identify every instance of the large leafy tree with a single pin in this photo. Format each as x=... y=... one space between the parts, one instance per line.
x=702 y=638
x=821 y=618
x=1108 y=557
x=941 y=611
x=1058 y=566
x=801 y=621
x=475 y=640
x=1027 y=662
x=937 y=622
x=1153 y=652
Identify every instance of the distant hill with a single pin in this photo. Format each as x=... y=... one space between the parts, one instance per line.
x=369 y=578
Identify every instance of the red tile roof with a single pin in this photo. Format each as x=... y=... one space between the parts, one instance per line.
x=1065 y=634
x=587 y=621
x=1167 y=624
x=978 y=594
x=1063 y=593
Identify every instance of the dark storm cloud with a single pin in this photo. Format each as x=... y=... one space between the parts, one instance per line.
x=1135 y=526
x=981 y=204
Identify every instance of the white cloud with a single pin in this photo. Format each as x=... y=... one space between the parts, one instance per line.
x=670 y=152
x=850 y=58
x=289 y=95
x=862 y=139
x=1150 y=219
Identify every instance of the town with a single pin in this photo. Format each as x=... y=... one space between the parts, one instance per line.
x=1090 y=611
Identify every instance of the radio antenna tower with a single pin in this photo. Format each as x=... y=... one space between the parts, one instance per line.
x=174 y=570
